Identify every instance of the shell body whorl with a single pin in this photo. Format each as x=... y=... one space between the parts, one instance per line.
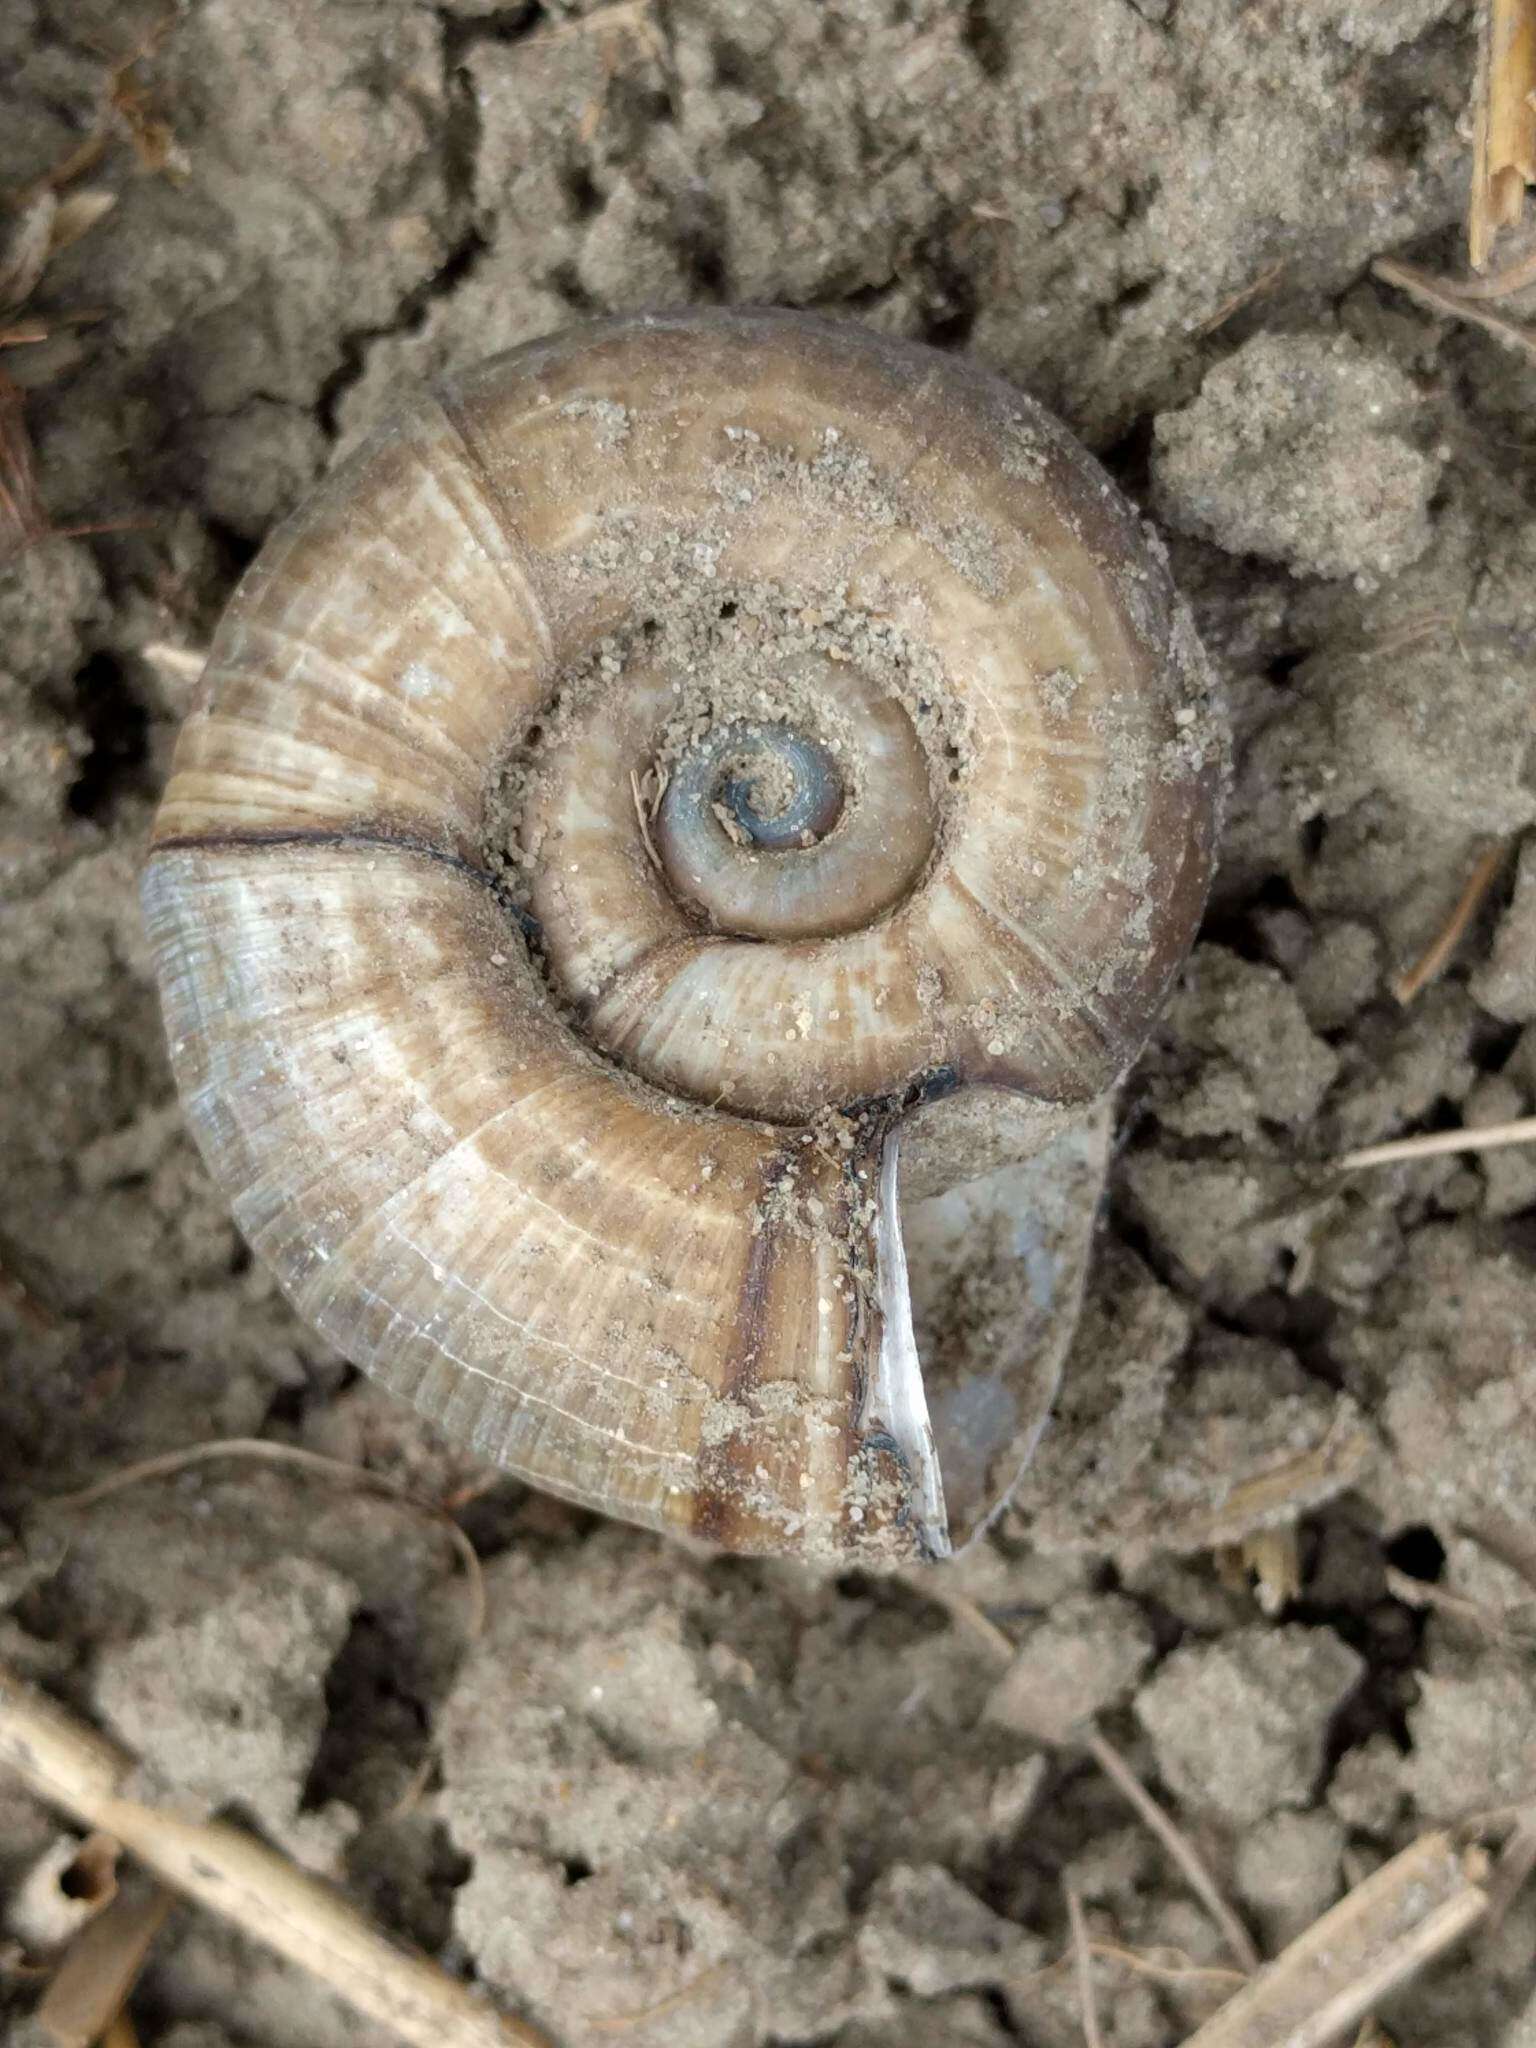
x=639 y=775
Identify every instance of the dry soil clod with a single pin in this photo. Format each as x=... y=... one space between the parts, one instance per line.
x=259 y=1450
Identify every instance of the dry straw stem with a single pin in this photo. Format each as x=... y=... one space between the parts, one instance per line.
x=1377 y=1937
x=1521 y=1130
x=101 y=1966
x=1082 y=1955
x=1504 y=132
x=1115 y=1768
x=1273 y=1556
x=1512 y=1871
x=240 y=1878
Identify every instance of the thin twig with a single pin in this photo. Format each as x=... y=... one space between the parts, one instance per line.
x=964 y=1611
x=233 y=1874
x=1144 y=1962
x=1424 y=1593
x=23 y=519
x=1178 y=1845
x=1114 y=1767
x=621 y=2023
x=19 y=1298
x=1516 y=1861
x=1082 y=1955
x=1418 y=626
x=1269 y=275
x=1436 y=957
x=415 y=1790
x=84 y=156
x=643 y=819
x=633 y=15
x=1440 y=296
x=123 y=102
x=1435 y=1144
x=168 y=1463
x=1515 y=277
x=472 y=1490
x=1510 y=1542
x=152 y=137
x=1182 y=1972
x=1379 y=1936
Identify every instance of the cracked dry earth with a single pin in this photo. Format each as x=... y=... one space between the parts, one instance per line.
x=717 y=1804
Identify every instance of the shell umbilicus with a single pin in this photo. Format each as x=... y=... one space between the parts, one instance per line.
x=667 y=763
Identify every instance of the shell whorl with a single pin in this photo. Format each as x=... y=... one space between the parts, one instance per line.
x=637 y=773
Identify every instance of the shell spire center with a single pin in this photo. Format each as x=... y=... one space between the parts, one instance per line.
x=766 y=787
x=773 y=787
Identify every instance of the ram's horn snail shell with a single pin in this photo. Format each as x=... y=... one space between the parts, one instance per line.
x=637 y=779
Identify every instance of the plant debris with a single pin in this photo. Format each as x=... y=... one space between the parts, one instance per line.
x=1504 y=139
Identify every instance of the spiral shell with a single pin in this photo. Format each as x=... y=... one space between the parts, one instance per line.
x=642 y=777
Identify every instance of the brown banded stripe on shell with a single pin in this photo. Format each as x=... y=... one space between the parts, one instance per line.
x=639 y=772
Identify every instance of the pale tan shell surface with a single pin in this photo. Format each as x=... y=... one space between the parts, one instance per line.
x=553 y=1085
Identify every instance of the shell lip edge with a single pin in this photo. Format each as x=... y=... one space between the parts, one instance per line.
x=893 y=1411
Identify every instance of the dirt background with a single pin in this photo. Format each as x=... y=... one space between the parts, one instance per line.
x=713 y=1803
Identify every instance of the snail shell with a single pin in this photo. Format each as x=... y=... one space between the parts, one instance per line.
x=663 y=760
